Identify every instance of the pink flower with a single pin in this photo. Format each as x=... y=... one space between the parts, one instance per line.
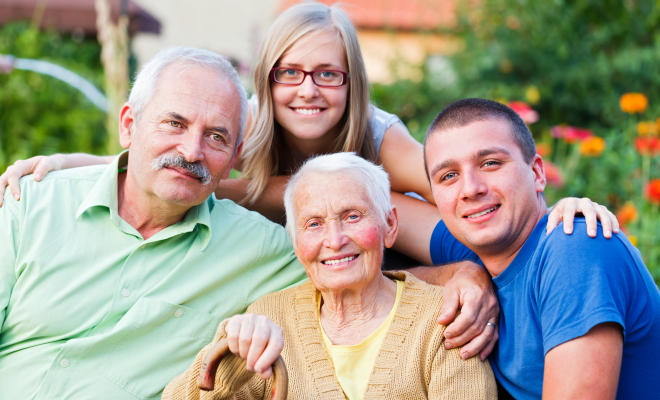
x=570 y=133
x=525 y=112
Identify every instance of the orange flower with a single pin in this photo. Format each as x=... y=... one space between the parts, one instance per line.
x=525 y=112
x=632 y=103
x=645 y=128
x=627 y=213
x=592 y=146
x=543 y=149
x=647 y=145
x=553 y=174
x=653 y=191
x=633 y=240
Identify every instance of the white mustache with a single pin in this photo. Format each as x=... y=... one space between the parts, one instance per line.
x=177 y=160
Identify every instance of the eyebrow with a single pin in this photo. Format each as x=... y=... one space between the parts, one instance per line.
x=478 y=155
x=179 y=117
x=320 y=66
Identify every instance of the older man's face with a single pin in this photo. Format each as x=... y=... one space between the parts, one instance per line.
x=185 y=141
x=487 y=194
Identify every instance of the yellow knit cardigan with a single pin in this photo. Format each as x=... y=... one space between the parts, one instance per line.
x=412 y=363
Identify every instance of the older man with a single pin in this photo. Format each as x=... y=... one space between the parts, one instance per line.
x=112 y=278
x=580 y=316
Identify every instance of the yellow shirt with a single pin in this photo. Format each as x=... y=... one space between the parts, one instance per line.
x=354 y=363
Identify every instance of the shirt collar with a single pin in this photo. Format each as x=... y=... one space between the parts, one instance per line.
x=104 y=194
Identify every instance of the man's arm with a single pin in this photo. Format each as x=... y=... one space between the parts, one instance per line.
x=586 y=367
x=468 y=288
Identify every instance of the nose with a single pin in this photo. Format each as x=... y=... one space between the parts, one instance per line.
x=308 y=89
x=191 y=146
x=335 y=238
x=473 y=185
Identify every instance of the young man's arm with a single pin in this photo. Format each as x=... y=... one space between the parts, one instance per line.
x=586 y=367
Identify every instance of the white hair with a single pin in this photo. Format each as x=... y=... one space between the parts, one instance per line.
x=146 y=80
x=372 y=177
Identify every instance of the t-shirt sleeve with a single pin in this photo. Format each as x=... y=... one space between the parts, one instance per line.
x=445 y=248
x=583 y=282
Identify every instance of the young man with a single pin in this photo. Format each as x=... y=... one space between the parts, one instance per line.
x=580 y=316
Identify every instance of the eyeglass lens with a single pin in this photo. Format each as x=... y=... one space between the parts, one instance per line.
x=321 y=78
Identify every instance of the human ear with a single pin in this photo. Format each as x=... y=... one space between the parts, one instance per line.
x=539 y=173
x=126 y=126
x=392 y=228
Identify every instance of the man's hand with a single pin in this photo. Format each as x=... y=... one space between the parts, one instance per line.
x=468 y=289
x=257 y=340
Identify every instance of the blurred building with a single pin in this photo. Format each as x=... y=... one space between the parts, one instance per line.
x=398 y=36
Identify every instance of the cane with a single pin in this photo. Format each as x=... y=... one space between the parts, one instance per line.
x=206 y=380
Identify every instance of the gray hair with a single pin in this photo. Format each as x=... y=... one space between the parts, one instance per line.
x=372 y=177
x=146 y=80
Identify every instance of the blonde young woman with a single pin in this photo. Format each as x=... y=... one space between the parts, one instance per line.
x=312 y=97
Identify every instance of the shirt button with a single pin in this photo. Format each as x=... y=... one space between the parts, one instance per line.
x=64 y=363
x=144 y=246
x=178 y=313
x=125 y=292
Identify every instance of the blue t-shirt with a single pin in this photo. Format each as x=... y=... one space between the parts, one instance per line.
x=446 y=249
x=559 y=287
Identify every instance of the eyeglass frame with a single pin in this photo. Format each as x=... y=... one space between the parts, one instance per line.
x=345 y=76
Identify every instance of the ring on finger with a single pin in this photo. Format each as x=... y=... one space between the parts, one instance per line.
x=491 y=324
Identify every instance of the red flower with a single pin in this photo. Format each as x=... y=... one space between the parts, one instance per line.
x=653 y=191
x=570 y=133
x=553 y=174
x=647 y=145
x=525 y=112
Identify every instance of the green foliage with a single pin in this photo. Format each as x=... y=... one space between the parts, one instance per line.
x=571 y=60
x=40 y=114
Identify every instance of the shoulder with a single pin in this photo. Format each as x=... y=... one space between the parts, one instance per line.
x=445 y=248
x=381 y=117
x=578 y=250
x=252 y=221
x=280 y=303
x=90 y=173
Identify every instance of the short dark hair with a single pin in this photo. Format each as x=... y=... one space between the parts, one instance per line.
x=467 y=111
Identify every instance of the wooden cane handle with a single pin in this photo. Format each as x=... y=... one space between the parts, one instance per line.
x=206 y=379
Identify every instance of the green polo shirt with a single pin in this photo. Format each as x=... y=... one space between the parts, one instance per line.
x=91 y=310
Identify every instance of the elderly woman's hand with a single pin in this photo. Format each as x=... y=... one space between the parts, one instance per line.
x=257 y=340
x=470 y=290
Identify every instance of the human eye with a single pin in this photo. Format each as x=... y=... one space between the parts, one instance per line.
x=216 y=137
x=175 y=124
x=288 y=75
x=491 y=164
x=352 y=216
x=448 y=176
x=313 y=223
x=328 y=76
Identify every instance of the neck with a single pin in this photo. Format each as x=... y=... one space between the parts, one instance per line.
x=349 y=316
x=145 y=213
x=496 y=261
x=304 y=148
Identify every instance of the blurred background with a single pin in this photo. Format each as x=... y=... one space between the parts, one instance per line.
x=583 y=74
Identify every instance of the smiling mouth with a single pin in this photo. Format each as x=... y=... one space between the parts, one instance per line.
x=307 y=111
x=339 y=260
x=484 y=212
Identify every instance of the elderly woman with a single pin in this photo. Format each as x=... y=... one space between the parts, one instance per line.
x=352 y=331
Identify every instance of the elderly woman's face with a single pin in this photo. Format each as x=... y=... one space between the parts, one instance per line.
x=339 y=236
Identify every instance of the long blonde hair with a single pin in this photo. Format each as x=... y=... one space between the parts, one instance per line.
x=263 y=141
